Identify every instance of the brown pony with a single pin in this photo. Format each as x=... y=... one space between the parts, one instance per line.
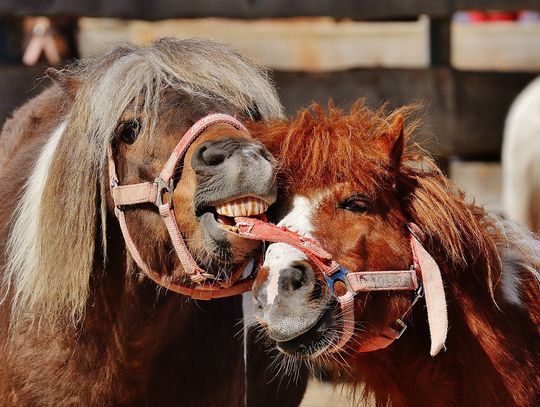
x=354 y=188
x=79 y=323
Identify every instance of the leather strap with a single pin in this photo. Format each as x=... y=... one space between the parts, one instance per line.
x=434 y=293
x=189 y=264
x=255 y=229
x=346 y=303
x=125 y=196
x=386 y=280
x=400 y=280
x=134 y=194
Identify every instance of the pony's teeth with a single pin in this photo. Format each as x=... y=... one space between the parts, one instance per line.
x=242 y=207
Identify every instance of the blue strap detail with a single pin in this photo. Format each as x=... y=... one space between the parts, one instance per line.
x=339 y=275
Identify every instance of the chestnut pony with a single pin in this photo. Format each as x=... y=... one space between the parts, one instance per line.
x=80 y=324
x=354 y=189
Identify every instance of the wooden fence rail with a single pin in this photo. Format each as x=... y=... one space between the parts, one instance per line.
x=464 y=111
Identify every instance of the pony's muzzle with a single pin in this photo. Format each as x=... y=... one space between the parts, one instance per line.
x=288 y=300
x=231 y=168
x=214 y=153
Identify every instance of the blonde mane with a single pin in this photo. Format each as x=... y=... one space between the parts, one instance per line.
x=59 y=224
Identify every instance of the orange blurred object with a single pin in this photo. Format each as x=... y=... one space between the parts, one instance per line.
x=488 y=16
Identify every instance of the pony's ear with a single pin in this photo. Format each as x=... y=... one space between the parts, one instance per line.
x=68 y=83
x=394 y=142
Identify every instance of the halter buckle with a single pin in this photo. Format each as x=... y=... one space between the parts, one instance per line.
x=339 y=275
x=162 y=188
x=419 y=293
x=399 y=327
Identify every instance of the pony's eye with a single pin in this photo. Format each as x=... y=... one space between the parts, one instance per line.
x=356 y=203
x=128 y=131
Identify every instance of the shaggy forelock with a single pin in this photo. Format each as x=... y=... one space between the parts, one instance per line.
x=53 y=242
x=195 y=67
x=319 y=147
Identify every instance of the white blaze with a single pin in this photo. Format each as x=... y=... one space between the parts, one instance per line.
x=279 y=256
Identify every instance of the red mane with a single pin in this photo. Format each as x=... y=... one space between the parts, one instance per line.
x=319 y=148
x=493 y=336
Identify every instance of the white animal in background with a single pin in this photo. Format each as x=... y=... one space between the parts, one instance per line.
x=521 y=158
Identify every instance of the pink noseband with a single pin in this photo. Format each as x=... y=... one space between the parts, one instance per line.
x=160 y=193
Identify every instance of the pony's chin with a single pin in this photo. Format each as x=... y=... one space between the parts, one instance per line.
x=315 y=341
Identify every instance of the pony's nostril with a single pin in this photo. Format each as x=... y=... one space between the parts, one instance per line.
x=293 y=278
x=212 y=156
x=209 y=154
x=296 y=283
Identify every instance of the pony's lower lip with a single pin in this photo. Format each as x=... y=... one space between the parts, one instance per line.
x=305 y=344
x=228 y=223
x=213 y=228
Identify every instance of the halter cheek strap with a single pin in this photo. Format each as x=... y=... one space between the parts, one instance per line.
x=125 y=196
x=424 y=269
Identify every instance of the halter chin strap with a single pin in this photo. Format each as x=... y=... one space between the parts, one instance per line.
x=424 y=269
x=160 y=193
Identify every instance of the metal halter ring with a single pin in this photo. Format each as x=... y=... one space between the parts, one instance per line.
x=341 y=276
x=162 y=188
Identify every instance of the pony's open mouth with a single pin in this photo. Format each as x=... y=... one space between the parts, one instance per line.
x=314 y=341
x=225 y=212
x=219 y=229
x=248 y=206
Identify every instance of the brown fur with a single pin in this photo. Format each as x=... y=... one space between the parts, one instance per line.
x=94 y=331
x=16 y=133
x=492 y=351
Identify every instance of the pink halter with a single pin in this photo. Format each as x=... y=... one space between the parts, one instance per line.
x=154 y=192
x=424 y=268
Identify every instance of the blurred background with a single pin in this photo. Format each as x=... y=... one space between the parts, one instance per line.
x=464 y=61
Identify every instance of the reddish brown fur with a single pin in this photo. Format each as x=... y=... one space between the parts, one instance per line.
x=493 y=346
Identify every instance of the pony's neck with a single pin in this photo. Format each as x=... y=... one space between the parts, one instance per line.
x=150 y=338
x=478 y=366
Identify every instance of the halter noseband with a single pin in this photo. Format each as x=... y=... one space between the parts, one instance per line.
x=424 y=278
x=160 y=193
